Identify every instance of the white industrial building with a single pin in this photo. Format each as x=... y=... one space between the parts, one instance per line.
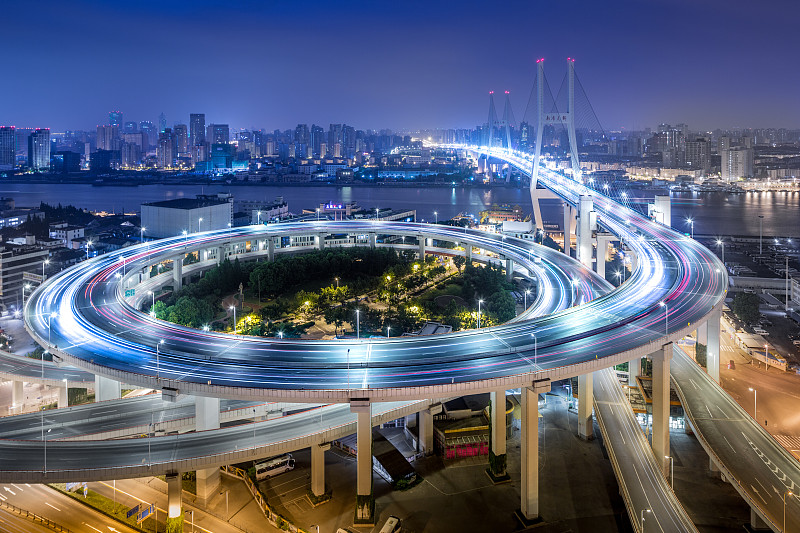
x=172 y=217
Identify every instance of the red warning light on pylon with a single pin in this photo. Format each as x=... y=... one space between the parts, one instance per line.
x=507 y=92
x=491 y=92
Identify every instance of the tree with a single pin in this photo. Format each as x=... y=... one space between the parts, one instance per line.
x=459 y=261
x=745 y=306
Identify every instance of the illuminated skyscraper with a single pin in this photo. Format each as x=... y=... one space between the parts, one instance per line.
x=115 y=118
x=39 y=149
x=166 y=149
x=8 y=150
x=162 y=123
x=218 y=134
x=197 y=128
x=181 y=140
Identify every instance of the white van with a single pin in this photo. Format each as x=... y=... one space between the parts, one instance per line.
x=274 y=466
x=760 y=331
x=392 y=525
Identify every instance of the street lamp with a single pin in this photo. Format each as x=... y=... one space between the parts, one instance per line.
x=88 y=244
x=760 y=233
x=258 y=214
x=755 y=402
x=720 y=242
x=479 y=313
x=388 y=331
x=233 y=308
x=185 y=235
x=50 y=317
x=141 y=233
x=158 y=359
x=25 y=287
x=691 y=223
x=666 y=317
x=535 y=349
x=527 y=292
x=787 y=493
x=642 y=515
x=337 y=282
x=44 y=263
x=199 y=220
x=671 y=472
x=358 y=323
x=436 y=214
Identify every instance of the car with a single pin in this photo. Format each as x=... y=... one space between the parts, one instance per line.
x=796 y=342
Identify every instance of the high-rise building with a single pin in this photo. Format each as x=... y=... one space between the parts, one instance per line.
x=181 y=140
x=115 y=118
x=197 y=128
x=130 y=127
x=301 y=134
x=218 y=134
x=737 y=163
x=166 y=149
x=162 y=123
x=317 y=138
x=106 y=135
x=8 y=148
x=698 y=155
x=39 y=149
x=149 y=129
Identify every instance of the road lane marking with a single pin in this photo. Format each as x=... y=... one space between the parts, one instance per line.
x=729 y=444
x=53 y=506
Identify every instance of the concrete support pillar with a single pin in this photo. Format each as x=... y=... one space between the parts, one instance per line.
x=497 y=453
x=586 y=225
x=567 y=228
x=661 y=360
x=585 y=407
x=702 y=334
x=373 y=240
x=318 y=468
x=321 y=241
x=634 y=260
x=529 y=451
x=270 y=248
x=63 y=397
x=17 y=395
x=603 y=242
x=426 y=431
x=106 y=389
x=177 y=272
x=206 y=412
x=365 y=501
x=174 y=503
x=469 y=253
x=634 y=371
x=421 y=241
x=509 y=269
x=712 y=352
x=757 y=523
x=663 y=210
x=220 y=254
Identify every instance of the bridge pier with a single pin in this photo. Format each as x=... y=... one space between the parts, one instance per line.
x=17 y=394
x=757 y=523
x=712 y=350
x=63 y=396
x=421 y=252
x=634 y=260
x=509 y=270
x=469 y=254
x=206 y=412
x=106 y=389
x=373 y=240
x=321 y=241
x=569 y=218
x=177 y=272
x=174 y=503
x=585 y=405
x=318 y=468
x=634 y=371
x=365 y=500
x=220 y=254
x=663 y=210
x=586 y=216
x=661 y=360
x=425 y=431
x=497 y=438
x=603 y=241
x=529 y=451
x=270 y=248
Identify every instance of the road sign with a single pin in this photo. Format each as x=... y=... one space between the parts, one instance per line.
x=147 y=511
x=134 y=510
x=130 y=292
x=30 y=276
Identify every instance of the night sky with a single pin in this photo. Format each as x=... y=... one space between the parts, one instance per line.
x=400 y=65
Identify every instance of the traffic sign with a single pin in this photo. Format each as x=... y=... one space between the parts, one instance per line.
x=134 y=510
x=147 y=511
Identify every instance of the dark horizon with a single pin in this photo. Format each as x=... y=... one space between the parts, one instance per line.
x=417 y=66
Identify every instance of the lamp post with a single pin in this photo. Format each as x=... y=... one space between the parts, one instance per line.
x=642 y=516
x=666 y=317
x=185 y=235
x=88 y=244
x=535 y=349
x=527 y=292
x=50 y=318
x=720 y=242
x=691 y=223
x=358 y=323
x=671 y=472
x=755 y=403
x=44 y=263
x=787 y=493
x=25 y=287
x=158 y=359
x=760 y=234
x=479 y=313
x=388 y=331
x=233 y=308
x=258 y=214
x=199 y=220
x=337 y=282
x=436 y=214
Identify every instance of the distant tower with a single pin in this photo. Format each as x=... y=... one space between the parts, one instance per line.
x=8 y=152
x=492 y=119
x=162 y=123
x=39 y=149
x=115 y=118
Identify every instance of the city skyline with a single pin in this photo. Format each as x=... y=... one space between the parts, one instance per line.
x=255 y=66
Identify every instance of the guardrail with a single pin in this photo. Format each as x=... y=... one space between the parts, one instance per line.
x=274 y=518
x=35 y=517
